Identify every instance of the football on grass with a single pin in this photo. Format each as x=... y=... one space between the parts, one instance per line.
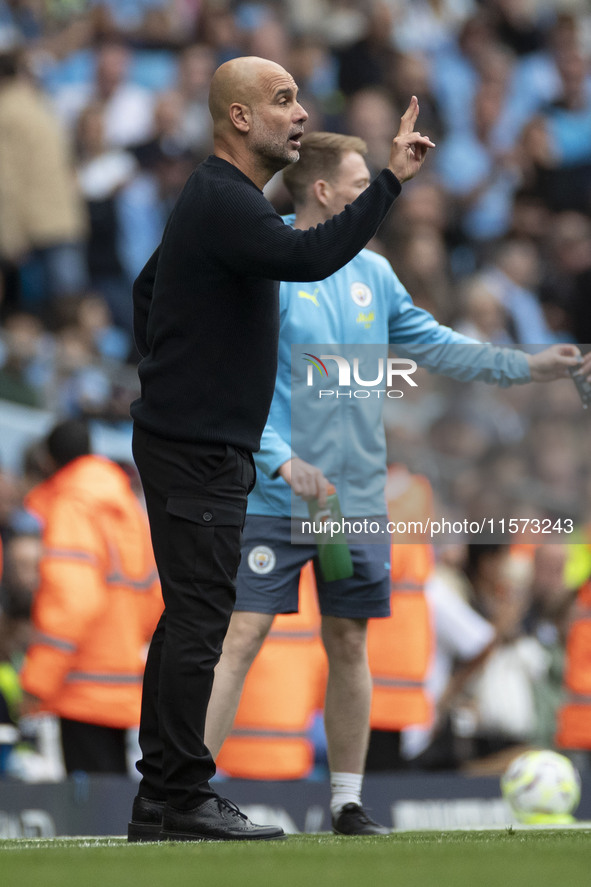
x=542 y=787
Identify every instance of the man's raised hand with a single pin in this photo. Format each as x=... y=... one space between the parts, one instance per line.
x=409 y=148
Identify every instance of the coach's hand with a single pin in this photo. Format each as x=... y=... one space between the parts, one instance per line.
x=555 y=362
x=305 y=480
x=409 y=148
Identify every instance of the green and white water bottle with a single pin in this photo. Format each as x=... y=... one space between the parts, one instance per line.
x=333 y=552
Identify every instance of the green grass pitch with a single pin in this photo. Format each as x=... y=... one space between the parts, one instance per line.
x=532 y=858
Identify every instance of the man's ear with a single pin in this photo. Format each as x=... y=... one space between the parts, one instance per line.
x=240 y=116
x=322 y=191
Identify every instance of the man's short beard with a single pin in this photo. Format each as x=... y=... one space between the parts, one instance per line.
x=275 y=162
x=274 y=156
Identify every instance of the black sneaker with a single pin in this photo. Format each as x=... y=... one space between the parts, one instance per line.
x=146 y=820
x=353 y=820
x=215 y=820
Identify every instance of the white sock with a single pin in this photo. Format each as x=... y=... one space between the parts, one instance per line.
x=345 y=789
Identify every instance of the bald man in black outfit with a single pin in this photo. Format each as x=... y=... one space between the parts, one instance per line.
x=206 y=325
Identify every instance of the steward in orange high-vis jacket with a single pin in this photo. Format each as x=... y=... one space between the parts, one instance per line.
x=97 y=605
x=574 y=716
x=283 y=690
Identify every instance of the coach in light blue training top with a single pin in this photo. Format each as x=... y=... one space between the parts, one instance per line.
x=364 y=303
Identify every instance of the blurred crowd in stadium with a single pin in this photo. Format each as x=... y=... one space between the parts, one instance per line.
x=103 y=115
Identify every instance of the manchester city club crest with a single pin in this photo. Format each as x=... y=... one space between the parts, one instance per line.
x=361 y=294
x=261 y=559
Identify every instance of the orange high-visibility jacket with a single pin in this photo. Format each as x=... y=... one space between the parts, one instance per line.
x=99 y=597
x=400 y=647
x=282 y=691
x=574 y=717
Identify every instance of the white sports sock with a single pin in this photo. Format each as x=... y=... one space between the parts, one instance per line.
x=345 y=789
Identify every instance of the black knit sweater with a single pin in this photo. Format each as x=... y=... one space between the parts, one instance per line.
x=206 y=307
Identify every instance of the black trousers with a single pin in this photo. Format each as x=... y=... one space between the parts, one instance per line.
x=196 y=500
x=93 y=748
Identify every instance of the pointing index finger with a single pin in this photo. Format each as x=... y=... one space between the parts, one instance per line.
x=409 y=118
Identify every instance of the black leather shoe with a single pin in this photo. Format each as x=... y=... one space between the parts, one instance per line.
x=146 y=820
x=353 y=820
x=217 y=819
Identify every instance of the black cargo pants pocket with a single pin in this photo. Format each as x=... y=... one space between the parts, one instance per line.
x=204 y=536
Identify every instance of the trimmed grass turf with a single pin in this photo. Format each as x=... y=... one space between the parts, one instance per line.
x=537 y=858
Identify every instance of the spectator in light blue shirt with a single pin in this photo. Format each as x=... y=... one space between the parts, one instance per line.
x=476 y=174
